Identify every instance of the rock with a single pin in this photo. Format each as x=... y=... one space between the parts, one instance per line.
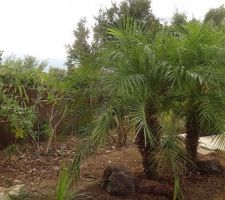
x=17 y=181
x=56 y=168
x=209 y=165
x=14 y=191
x=155 y=187
x=109 y=170
x=118 y=181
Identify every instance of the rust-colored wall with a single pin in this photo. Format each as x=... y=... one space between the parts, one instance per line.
x=6 y=136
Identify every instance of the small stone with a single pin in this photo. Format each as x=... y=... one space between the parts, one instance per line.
x=22 y=156
x=56 y=168
x=17 y=181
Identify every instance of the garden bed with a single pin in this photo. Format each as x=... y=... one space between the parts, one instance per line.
x=39 y=173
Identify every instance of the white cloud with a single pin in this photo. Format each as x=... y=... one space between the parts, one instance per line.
x=192 y=8
x=39 y=27
x=43 y=27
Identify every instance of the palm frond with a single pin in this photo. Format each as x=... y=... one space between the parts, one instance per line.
x=170 y=155
x=138 y=119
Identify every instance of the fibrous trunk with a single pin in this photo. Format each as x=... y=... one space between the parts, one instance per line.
x=146 y=149
x=192 y=137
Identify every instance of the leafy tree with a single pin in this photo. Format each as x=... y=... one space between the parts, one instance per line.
x=24 y=87
x=16 y=76
x=80 y=49
x=14 y=114
x=27 y=72
x=140 y=10
x=215 y=16
x=80 y=52
x=30 y=62
x=179 y=19
x=55 y=78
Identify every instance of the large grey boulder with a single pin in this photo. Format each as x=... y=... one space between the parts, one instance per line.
x=118 y=181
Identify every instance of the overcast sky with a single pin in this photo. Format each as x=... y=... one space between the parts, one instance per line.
x=42 y=28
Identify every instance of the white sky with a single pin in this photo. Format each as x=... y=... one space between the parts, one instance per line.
x=42 y=28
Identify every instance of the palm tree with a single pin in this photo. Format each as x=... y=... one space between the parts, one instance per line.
x=133 y=76
x=156 y=79
x=196 y=73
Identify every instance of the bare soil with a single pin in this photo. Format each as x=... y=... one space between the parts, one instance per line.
x=39 y=173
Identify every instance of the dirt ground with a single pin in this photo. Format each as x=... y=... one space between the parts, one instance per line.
x=39 y=173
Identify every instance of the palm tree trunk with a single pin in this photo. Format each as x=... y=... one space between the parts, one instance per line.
x=192 y=137
x=146 y=149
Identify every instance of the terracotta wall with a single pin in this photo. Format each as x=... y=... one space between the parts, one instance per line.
x=6 y=136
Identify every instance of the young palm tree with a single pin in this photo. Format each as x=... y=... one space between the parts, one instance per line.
x=134 y=77
x=196 y=72
x=144 y=74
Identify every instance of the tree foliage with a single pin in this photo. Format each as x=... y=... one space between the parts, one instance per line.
x=176 y=74
x=215 y=16
x=80 y=48
x=178 y=19
x=25 y=87
x=135 y=71
x=139 y=10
